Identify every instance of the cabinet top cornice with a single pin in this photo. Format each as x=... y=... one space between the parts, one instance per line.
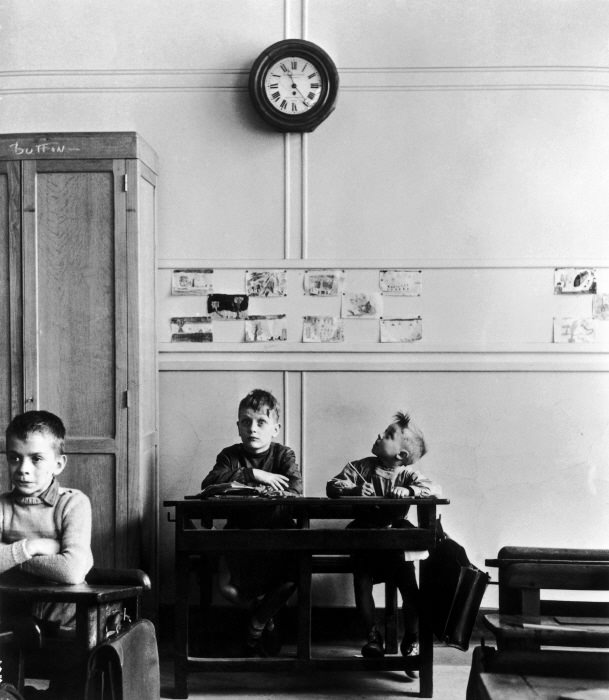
x=76 y=145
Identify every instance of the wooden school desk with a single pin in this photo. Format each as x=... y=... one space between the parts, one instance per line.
x=304 y=542
x=506 y=686
x=96 y=604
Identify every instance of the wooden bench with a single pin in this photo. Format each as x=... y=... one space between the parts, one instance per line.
x=527 y=621
x=341 y=564
x=535 y=635
x=320 y=564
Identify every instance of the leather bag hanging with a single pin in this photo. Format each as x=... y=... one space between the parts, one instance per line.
x=455 y=591
x=125 y=667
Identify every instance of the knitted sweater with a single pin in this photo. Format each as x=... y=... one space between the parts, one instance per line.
x=59 y=513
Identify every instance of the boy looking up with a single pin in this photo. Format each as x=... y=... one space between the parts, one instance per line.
x=390 y=474
x=262 y=583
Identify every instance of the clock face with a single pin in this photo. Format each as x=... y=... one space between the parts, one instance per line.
x=293 y=85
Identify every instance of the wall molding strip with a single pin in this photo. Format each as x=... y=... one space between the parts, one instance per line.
x=388 y=362
x=383 y=263
x=480 y=78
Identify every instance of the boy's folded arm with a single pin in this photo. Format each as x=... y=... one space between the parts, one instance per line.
x=13 y=554
x=335 y=488
x=74 y=559
x=292 y=471
x=345 y=483
x=225 y=471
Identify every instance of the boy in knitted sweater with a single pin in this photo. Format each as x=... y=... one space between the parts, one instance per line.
x=45 y=529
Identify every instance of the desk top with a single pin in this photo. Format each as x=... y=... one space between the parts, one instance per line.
x=80 y=592
x=309 y=503
x=506 y=686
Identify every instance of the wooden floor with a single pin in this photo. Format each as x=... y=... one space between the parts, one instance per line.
x=451 y=671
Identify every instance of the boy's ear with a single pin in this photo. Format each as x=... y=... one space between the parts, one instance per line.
x=404 y=456
x=277 y=429
x=60 y=464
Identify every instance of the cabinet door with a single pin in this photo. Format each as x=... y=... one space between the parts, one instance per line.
x=11 y=376
x=75 y=328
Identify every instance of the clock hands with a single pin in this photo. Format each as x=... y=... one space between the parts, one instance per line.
x=295 y=87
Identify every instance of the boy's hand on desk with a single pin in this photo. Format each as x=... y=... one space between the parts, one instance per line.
x=278 y=482
x=42 y=547
x=401 y=492
x=366 y=489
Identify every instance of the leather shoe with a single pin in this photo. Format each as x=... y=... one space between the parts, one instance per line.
x=373 y=648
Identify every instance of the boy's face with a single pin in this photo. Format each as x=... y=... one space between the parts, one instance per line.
x=390 y=447
x=257 y=429
x=33 y=462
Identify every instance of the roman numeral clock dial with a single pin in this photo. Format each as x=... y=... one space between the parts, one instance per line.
x=293 y=85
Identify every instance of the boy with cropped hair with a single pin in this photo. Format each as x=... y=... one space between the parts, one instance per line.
x=261 y=583
x=389 y=474
x=45 y=529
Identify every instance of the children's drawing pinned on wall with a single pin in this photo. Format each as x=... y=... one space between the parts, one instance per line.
x=227 y=306
x=191 y=329
x=574 y=330
x=323 y=283
x=571 y=280
x=600 y=307
x=192 y=282
x=407 y=283
x=401 y=330
x=362 y=305
x=265 y=329
x=266 y=283
x=322 y=329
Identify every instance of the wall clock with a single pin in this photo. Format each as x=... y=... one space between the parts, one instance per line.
x=293 y=85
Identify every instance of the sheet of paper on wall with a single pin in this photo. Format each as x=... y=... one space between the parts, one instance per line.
x=600 y=307
x=322 y=329
x=574 y=280
x=193 y=282
x=266 y=283
x=574 y=330
x=227 y=307
x=323 y=283
x=405 y=283
x=191 y=329
x=362 y=305
x=266 y=329
x=401 y=330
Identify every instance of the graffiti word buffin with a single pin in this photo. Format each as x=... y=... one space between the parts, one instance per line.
x=37 y=149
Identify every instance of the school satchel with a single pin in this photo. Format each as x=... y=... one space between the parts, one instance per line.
x=455 y=591
x=125 y=667
x=9 y=692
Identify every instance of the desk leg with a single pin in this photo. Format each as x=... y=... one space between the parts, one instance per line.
x=425 y=636
x=87 y=626
x=181 y=628
x=427 y=519
x=303 y=649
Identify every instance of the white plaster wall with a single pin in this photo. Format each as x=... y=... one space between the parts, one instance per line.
x=469 y=140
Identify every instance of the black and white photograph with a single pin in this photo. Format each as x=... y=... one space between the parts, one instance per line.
x=304 y=349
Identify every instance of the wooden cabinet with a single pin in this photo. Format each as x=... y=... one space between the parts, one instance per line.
x=77 y=299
